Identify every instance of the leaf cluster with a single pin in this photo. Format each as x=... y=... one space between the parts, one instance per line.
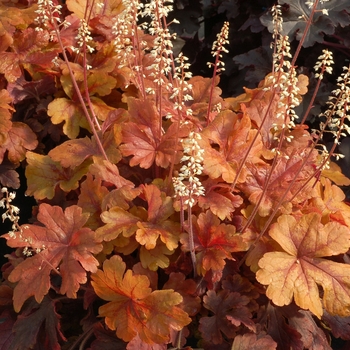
x=114 y=256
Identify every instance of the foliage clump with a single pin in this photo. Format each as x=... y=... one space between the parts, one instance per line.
x=167 y=215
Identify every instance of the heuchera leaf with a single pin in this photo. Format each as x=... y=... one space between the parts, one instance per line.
x=133 y=309
x=106 y=171
x=20 y=138
x=43 y=175
x=252 y=342
x=229 y=311
x=38 y=324
x=61 y=243
x=234 y=136
x=73 y=152
x=295 y=19
x=5 y=115
x=28 y=48
x=160 y=207
x=144 y=139
x=214 y=242
x=90 y=199
x=300 y=269
x=68 y=111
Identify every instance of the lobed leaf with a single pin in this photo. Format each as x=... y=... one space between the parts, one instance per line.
x=133 y=309
x=62 y=242
x=43 y=175
x=299 y=269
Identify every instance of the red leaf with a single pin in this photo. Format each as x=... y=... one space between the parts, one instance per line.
x=61 y=243
x=229 y=311
x=38 y=324
x=187 y=288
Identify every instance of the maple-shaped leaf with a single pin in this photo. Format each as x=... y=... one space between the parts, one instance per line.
x=300 y=269
x=43 y=175
x=132 y=308
x=20 y=138
x=5 y=115
x=144 y=139
x=70 y=112
x=63 y=245
x=234 y=137
x=282 y=176
x=90 y=199
x=117 y=221
x=147 y=147
x=214 y=242
x=252 y=342
x=22 y=89
x=229 y=312
x=72 y=153
x=38 y=324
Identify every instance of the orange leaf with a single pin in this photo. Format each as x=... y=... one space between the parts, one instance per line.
x=67 y=111
x=133 y=309
x=90 y=199
x=156 y=257
x=299 y=269
x=61 y=243
x=105 y=170
x=335 y=174
x=5 y=115
x=214 y=242
x=73 y=152
x=234 y=136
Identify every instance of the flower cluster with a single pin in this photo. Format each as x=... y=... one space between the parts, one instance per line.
x=187 y=185
x=324 y=64
x=12 y=211
x=219 y=46
x=47 y=13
